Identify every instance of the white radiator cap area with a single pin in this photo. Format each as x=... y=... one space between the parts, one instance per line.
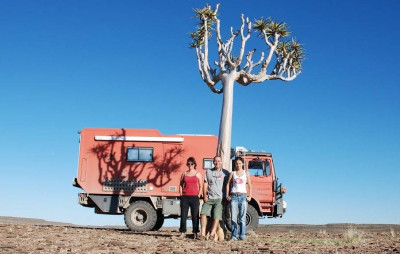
x=240 y=149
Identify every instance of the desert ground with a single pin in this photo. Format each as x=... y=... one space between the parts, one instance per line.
x=21 y=235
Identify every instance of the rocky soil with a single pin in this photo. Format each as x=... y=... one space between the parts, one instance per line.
x=18 y=235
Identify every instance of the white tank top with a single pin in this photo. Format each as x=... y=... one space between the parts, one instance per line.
x=239 y=183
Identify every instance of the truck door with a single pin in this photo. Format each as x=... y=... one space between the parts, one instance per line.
x=262 y=181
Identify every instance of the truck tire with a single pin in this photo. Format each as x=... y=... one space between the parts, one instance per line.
x=251 y=218
x=159 y=222
x=140 y=216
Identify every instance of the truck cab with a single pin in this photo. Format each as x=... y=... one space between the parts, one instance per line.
x=267 y=196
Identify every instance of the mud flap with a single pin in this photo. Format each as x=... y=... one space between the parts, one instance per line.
x=279 y=207
x=105 y=203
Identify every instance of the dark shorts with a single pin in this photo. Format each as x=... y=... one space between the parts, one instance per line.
x=213 y=209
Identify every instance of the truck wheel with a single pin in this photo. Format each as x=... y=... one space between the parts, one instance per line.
x=251 y=218
x=159 y=222
x=140 y=216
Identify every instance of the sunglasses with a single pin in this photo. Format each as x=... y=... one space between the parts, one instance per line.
x=189 y=164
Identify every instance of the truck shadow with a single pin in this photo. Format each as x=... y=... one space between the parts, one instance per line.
x=117 y=174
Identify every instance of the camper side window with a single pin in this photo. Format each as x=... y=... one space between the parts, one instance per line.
x=139 y=154
x=208 y=163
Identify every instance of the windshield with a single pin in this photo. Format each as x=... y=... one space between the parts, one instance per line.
x=255 y=168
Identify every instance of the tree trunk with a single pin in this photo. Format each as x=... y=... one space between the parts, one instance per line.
x=225 y=127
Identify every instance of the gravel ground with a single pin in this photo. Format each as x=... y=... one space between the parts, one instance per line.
x=24 y=236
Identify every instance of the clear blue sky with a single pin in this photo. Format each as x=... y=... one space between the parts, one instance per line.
x=334 y=131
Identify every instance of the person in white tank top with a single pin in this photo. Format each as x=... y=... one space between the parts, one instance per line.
x=236 y=193
x=239 y=183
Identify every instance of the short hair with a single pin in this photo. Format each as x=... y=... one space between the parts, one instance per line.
x=192 y=160
x=217 y=156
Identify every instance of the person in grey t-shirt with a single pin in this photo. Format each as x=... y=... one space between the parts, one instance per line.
x=213 y=194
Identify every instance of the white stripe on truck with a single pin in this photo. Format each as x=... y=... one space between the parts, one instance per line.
x=132 y=138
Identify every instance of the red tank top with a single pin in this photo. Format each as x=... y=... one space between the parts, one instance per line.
x=191 y=187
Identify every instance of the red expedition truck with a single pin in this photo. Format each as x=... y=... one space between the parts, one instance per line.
x=136 y=172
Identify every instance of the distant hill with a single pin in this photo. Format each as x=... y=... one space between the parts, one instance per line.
x=18 y=220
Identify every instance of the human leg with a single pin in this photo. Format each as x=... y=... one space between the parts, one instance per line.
x=194 y=209
x=234 y=216
x=184 y=213
x=205 y=211
x=216 y=215
x=214 y=227
x=203 y=222
x=242 y=217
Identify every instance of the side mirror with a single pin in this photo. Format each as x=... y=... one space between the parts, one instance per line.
x=275 y=185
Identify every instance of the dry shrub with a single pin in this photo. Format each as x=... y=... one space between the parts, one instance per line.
x=392 y=233
x=322 y=232
x=352 y=235
x=252 y=234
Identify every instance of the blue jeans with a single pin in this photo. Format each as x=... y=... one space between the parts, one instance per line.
x=238 y=212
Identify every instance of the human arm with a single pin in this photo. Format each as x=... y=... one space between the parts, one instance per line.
x=200 y=181
x=205 y=187
x=250 y=186
x=181 y=184
x=228 y=186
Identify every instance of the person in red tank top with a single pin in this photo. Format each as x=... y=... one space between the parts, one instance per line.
x=190 y=189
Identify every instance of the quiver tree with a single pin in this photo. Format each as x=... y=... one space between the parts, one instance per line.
x=282 y=58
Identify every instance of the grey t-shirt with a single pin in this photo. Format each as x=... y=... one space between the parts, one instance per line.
x=216 y=180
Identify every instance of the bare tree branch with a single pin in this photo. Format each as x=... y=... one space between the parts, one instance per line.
x=249 y=62
x=244 y=39
x=287 y=61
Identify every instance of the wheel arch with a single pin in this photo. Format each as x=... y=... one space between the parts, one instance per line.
x=256 y=205
x=150 y=200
